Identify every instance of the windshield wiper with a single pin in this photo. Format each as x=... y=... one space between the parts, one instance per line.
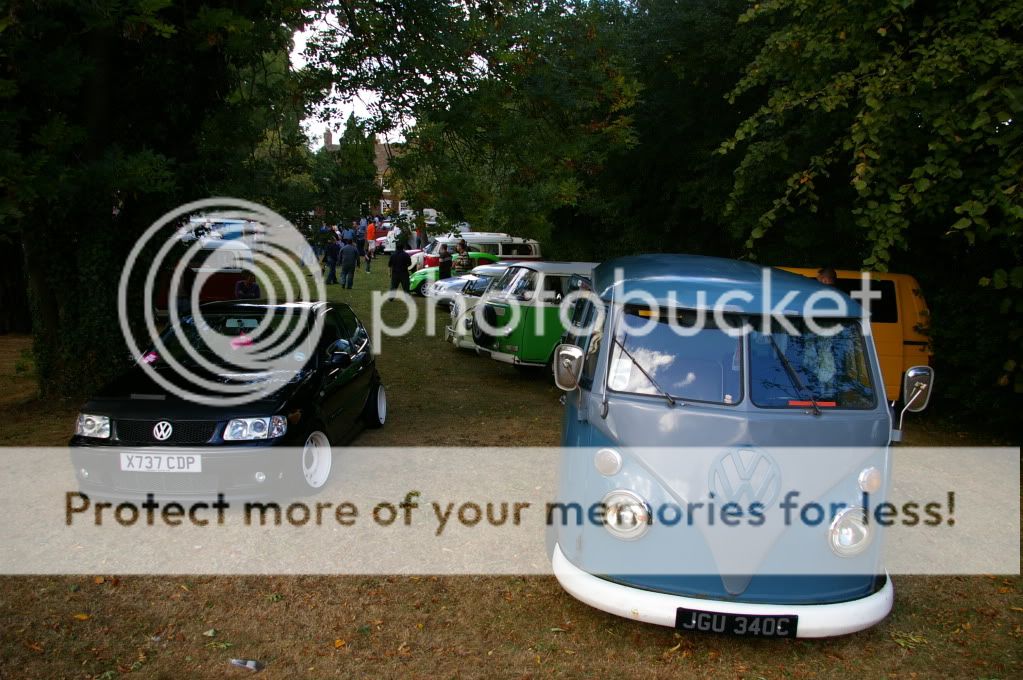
x=664 y=393
x=793 y=376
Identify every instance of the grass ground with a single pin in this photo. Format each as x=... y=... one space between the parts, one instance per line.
x=104 y=626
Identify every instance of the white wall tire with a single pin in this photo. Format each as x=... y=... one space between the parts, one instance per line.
x=317 y=460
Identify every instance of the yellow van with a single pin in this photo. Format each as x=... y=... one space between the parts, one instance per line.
x=899 y=321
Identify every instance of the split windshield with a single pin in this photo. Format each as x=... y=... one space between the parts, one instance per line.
x=803 y=370
x=705 y=366
x=788 y=371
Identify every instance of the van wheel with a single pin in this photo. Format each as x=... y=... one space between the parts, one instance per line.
x=317 y=461
x=375 y=413
x=479 y=336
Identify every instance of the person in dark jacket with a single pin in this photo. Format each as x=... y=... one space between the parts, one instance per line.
x=444 y=266
x=247 y=288
x=330 y=259
x=399 y=262
x=348 y=257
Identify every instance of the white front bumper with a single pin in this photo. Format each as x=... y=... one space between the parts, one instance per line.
x=815 y=620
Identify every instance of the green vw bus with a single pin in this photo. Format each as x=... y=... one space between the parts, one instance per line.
x=519 y=322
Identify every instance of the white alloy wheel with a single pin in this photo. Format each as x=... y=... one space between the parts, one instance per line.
x=317 y=459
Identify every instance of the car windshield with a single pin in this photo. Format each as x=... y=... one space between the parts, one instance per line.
x=504 y=283
x=705 y=366
x=478 y=286
x=221 y=338
x=794 y=371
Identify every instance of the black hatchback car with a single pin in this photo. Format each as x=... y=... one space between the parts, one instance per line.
x=136 y=436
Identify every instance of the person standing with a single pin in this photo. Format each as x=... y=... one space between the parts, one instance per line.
x=349 y=258
x=462 y=262
x=349 y=233
x=399 y=262
x=444 y=266
x=371 y=243
x=360 y=236
x=330 y=259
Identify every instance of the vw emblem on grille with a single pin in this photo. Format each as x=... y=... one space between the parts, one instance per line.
x=745 y=474
x=162 y=431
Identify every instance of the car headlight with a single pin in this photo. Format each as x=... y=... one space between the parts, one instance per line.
x=850 y=533
x=626 y=515
x=97 y=427
x=244 y=429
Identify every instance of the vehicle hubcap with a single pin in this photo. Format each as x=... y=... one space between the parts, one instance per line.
x=316 y=460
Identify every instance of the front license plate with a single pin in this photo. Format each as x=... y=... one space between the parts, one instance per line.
x=749 y=625
x=161 y=462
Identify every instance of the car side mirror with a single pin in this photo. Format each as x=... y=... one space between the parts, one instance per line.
x=341 y=359
x=916 y=388
x=568 y=366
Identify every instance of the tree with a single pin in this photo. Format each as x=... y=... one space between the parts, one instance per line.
x=114 y=113
x=903 y=116
x=345 y=176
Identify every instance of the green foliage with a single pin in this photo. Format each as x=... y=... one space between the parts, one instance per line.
x=345 y=177
x=905 y=116
x=114 y=113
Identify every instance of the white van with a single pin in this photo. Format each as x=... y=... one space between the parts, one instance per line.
x=504 y=246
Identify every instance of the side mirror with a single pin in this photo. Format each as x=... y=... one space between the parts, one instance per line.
x=341 y=359
x=916 y=393
x=568 y=366
x=916 y=388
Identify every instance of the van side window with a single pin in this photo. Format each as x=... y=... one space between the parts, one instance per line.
x=554 y=287
x=882 y=310
x=517 y=249
x=490 y=248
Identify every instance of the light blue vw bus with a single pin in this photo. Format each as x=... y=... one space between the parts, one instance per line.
x=700 y=388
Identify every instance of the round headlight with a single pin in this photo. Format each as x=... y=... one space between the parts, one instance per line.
x=849 y=533
x=626 y=515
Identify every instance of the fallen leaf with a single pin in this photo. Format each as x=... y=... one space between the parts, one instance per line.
x=339 y=643
x=212 y=632
x=35 y=647
x=97 y=580
x=81 y=617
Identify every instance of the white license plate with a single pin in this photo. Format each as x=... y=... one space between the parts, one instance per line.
x=161 y=462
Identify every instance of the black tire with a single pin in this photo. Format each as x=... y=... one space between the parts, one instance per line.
x=479 y=336
x=374 y=415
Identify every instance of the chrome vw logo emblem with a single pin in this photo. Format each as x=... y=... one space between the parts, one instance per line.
x=162 y=430
x=745 y=475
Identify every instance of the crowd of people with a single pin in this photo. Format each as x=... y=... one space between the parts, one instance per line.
x=345 y=249
x=342 y=251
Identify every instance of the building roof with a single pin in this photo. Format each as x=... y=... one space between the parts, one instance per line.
x=700 y=282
